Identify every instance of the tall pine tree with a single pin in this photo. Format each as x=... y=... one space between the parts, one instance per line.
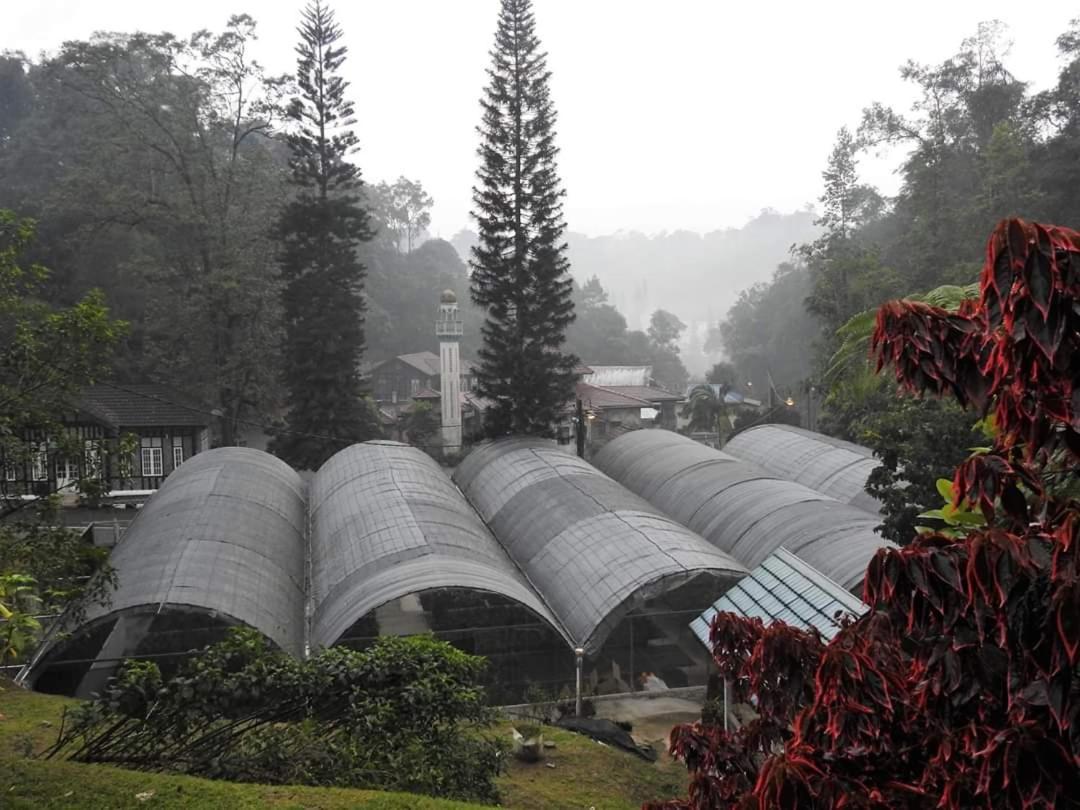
x=319 y=232
x=520 y=271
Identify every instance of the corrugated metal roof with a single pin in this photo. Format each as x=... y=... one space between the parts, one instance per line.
x=784 y=588
x=740 y=508
x=594 y=396
x=831 y=466
x=649 y=393
x=424 y=362
x=618 y=375
x=386 y=521
x=592 y=548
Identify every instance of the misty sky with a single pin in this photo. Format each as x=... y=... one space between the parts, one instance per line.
x=681 y=114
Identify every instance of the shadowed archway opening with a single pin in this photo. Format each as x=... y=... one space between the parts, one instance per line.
x=524 y=652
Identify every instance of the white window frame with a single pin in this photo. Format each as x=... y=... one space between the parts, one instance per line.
x=177 y=453
x=152 y=466
x=65 y=465
x=414 y=387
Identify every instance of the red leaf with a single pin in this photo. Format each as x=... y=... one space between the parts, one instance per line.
x=1067 y=599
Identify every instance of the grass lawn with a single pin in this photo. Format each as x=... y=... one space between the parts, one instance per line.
x=585 y=775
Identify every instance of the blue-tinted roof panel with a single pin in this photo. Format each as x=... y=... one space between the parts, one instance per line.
x=784 y=588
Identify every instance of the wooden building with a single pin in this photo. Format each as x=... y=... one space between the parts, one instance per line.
x=165 y=426
x=397 y=381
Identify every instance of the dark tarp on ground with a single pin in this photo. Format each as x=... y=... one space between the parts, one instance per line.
x=607 y=732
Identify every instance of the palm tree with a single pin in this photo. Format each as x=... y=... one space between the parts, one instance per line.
x=707 y=410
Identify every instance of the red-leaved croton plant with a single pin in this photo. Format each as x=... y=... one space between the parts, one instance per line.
x=959 y=688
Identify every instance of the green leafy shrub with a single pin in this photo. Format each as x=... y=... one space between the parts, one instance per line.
x=404 y=714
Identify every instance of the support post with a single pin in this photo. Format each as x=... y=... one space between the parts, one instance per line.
x=725 y=704
x=123 y=640
x=579 y=659
x=580 y=416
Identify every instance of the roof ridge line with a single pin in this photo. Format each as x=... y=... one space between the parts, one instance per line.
x=609 y=390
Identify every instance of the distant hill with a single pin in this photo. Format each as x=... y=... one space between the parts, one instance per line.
x=695 y=276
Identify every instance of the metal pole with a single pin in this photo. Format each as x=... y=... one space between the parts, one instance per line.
x=579 y=658
x=580 y=429
x=725 y=704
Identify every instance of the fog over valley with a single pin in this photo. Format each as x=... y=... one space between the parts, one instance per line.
x=690 y=121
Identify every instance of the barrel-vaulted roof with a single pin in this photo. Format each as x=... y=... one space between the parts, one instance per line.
x=386 y=521
x=593 y=549
x=740 y=508
x=831 y=466
x=223 y=535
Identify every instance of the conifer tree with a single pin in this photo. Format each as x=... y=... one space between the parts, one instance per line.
x=319 y=232
x=520 y=271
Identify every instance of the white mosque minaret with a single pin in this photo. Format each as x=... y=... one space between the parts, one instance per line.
x=448 y=331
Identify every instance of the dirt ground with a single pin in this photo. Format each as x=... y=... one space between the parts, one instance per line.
x=652 y=718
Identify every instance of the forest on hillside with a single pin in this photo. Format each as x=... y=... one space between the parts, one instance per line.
x=698 y=277
x=978 y=146
x=160 y=190
x=140 y=185
x=153 y=179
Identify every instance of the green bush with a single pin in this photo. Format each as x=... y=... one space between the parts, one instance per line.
x=404 y=714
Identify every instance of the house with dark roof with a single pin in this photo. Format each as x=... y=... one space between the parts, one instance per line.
x=398 y=381
x=162 y=426
x=614 y=410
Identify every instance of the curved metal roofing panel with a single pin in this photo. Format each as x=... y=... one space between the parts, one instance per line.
x=686 y=490
x=386 y=521
x=646 y=465
x=224 y=533
x=733 y=514
x=589 y=545
x=741 y=509
x=833 y=467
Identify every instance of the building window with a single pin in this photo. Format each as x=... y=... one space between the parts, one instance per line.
x=177 y=453
x=152 y=466
x=67 y=472
x=414 y=387
x=41 y=463
x=151 y=462
x=9 y=470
